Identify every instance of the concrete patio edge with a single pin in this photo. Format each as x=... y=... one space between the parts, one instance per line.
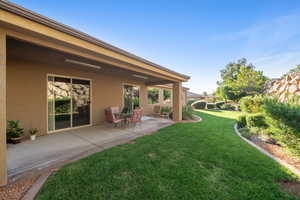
x=278 y=160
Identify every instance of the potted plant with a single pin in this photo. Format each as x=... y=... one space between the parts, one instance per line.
x=14 y=131
x=33 y=132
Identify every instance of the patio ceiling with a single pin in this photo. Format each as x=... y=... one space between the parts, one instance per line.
x=28 y=51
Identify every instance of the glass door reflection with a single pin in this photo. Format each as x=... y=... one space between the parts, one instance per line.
x=68 y=102
x=80 y=102
x=62 y=96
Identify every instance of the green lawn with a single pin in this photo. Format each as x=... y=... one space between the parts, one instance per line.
x=204 y=160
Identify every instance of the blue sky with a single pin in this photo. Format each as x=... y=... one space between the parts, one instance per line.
x=197 y=38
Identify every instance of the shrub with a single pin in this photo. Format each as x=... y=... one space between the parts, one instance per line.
x=187 y=112
x=199 y=105
x=255 y=120
x=245 y=132
x=165 y=109
x=190 y=102
x=220 y=104
x=228 y=107
x=241 y=121
x=210 y=106
x=282 y=117
x=251 y=104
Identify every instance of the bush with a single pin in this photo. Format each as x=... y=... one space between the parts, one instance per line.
x=282 y=117
x=255 y=120
x=210 y=106
x=220 y=104
x=246 y=133
x=251 y=104
x=165 y=109
x=228 y=107
x=187 y=112
x=241 y=121
x=199 y=105
x=190 y=102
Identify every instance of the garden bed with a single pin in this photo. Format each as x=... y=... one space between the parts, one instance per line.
x=17 y=189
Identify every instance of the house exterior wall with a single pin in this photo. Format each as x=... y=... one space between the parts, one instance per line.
x=27 y=92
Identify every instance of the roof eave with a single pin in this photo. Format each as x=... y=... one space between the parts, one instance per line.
x=18 y=10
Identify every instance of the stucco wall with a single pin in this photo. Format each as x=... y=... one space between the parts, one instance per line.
x=27 y=92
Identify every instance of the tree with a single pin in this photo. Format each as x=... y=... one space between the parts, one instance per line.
x=240 y=79
x=232 y=69
x=249 y=81
x=226 y=93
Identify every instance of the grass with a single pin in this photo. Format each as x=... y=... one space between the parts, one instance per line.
x=204 y=160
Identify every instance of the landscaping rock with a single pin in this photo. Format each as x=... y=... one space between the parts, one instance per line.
x=284 y=88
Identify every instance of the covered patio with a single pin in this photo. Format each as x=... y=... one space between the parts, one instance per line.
x=50 y=150
x=57 y=79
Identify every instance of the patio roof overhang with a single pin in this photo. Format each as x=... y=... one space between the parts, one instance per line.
x=28 y=26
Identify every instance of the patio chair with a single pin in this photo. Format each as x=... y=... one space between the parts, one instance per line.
x=136 y=116
x=112 y=115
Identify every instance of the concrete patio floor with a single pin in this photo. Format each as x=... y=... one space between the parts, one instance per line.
x=63 y=146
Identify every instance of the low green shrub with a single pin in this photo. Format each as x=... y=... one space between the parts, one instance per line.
x=255 y=120
x=210 y=106
x=282 y=117
x=199 y=105
x=165 y=109
x=190 y=102
x=245 y=132
x=228 y=106
x=187 y=112
x=241 y=121
x=251 y=104
x=220 y=104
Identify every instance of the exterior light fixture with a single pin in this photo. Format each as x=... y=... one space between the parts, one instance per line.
x=82 y=63
x=140 y=76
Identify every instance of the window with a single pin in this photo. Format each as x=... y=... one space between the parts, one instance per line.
x=153 y=95
x=167 y=96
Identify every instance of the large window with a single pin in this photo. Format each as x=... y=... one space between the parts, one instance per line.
x=68 y=102
x=131 y=97
x=153 y=95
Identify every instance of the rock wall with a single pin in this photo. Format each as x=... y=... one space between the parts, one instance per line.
x=285 y=88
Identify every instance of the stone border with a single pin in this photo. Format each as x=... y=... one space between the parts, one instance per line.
x=35 y=188
x=278 y=160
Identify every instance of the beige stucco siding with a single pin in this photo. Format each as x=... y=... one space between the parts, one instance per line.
x=27 y=92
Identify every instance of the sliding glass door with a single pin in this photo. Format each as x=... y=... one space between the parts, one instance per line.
x=68 y=103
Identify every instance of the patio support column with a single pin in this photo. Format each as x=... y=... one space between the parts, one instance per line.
x=177 y=101
x=161 y=96
x=3 y=172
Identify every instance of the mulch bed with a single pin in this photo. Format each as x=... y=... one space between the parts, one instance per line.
x=279 y=152
x=17 y=189
x=276 y=150
x=291 y=187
